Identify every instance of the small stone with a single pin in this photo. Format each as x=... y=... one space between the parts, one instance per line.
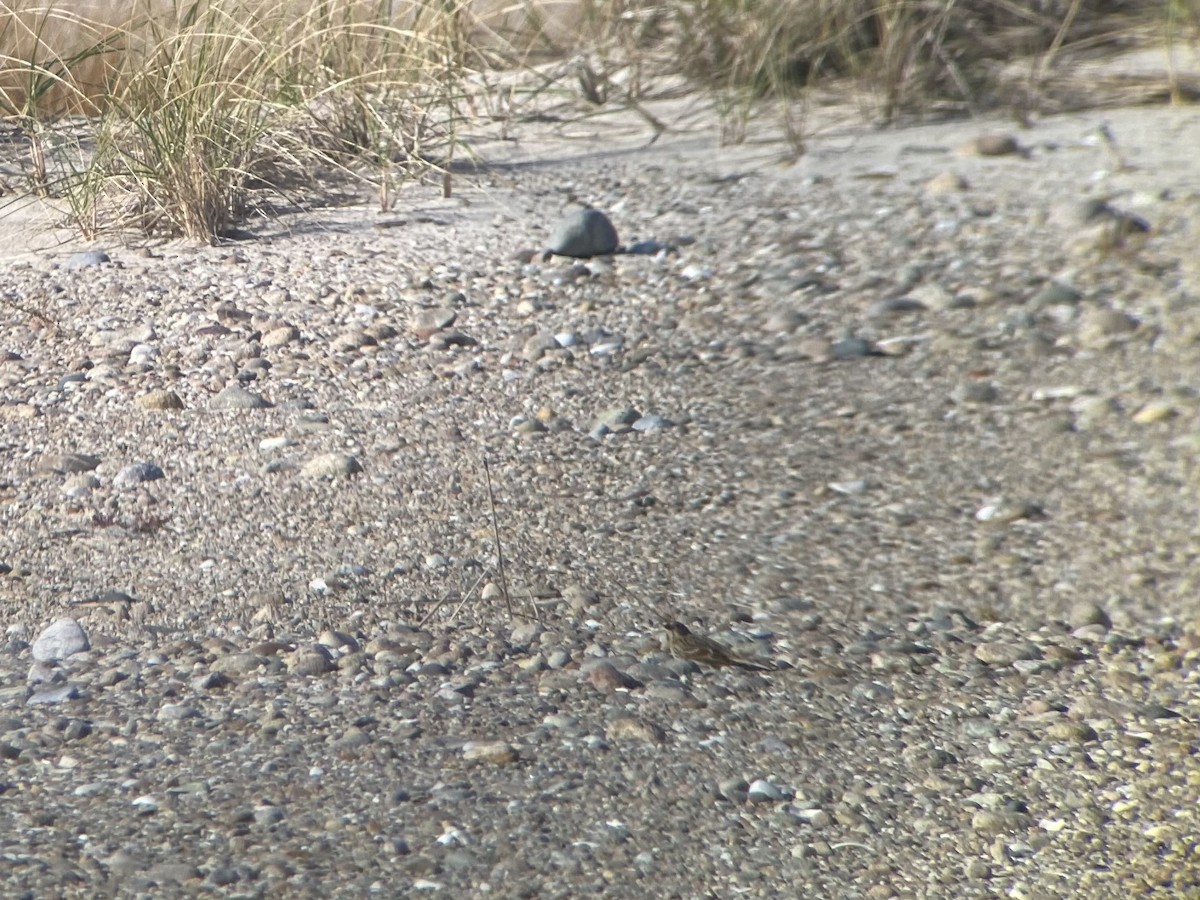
x=266 y=815
x=160 y=399
x=1005 y=653
x=86 y=259
x=444 y=340
x=137 y=473
x=64 y=463
x=1109 y=233
x=1154 y=412
x=991 y=144
x=281 y=336
x=1072 y=731
x=1090 y=410
x=631 y=728
x=539 y=345
x=429 y=322
x=978 y=870
x=240 y=663
x=784 y=320
x=762 y=791
x=1056 y=294
x=237 y=397
x=331 y=465
x=59 y=640
x=893 y=306
x=850 y=348
x=814 y=348
x=1086 y=612
x=52 y=695
x=210 y=681
x=735 y=790
x=618 y=418
x=934 y=296
x=1100 y=327
x=498 y=753
x=1005 y=512
x=988 y=821
x=583 y=233
x=975 y=393
x=177 y=712
x=312 y=659
x=651 y=424
x=349 y=341
x=945 y=183
x=606 y=677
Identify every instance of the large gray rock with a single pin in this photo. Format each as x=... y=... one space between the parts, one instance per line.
x=583 y=233
x=86 y=259
x=60 y=639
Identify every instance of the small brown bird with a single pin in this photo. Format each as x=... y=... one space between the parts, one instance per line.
x=683 y=644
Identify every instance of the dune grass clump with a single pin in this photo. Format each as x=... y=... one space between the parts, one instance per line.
x=181 y=116
x=196 y=110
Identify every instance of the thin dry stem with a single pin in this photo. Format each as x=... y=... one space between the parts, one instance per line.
x=487 y=471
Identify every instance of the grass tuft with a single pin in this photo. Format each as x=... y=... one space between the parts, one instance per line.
x=184 y=116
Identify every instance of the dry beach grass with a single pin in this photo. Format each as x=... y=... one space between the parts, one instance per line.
x=197 y=109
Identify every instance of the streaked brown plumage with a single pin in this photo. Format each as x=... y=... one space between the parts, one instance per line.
x=683 y=644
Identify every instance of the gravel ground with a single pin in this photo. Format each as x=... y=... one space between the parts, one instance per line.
x=912 y=421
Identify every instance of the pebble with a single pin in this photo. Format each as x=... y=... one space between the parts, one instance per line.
x=977 y=870
x=849 y=348
x=975 y=393
x=1100 y=328
x=237 y=397
x=606 y=677
x=281 y=336
x=1056 y=293
x=784 y=320
x=651 y=424
x=86 y=259
x=1005 y=512
x=160 y=399
x=50 y=696
x=310 y=660
x=632 y=728
x=63 y=463
x=946 y=183
x=762 y=791
x=496 y=753
x=238 y=663
x=616 y=419
x=583 y=233
x=1154 y=412
x=137 y=473
x=1087 y=612
x=1072 y=732
x=934 y=296
x=331 y=465
x=999 y=822
x=1005 y=653
x=428 y=322
x=895 y=306
x=178 y=712
x=735 y=790
x=992 y=144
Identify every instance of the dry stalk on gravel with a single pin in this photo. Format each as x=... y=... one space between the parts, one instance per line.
x=508 y=605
